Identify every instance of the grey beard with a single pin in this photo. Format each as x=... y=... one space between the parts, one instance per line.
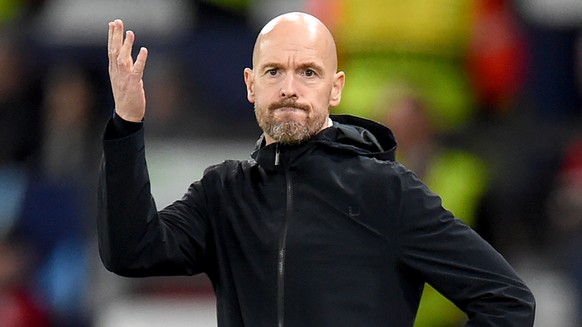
x=288 y=132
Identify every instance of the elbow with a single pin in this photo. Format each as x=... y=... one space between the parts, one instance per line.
x=122 y=270
x=113 y=267
x=529 y=305
x=511 y=306
x=118 y=266
x=522 y=307
x=526 y=301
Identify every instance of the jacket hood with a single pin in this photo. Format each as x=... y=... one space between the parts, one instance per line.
x=362 y=136
x=349 y=133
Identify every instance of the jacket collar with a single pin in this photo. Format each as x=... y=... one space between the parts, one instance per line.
x=348 y=133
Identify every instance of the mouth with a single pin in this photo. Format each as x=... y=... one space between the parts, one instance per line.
x=289 y=109
x=288 y=106
x=289 y=113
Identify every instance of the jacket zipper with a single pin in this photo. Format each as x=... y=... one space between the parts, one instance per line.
x=281 y=252
x=277 y=154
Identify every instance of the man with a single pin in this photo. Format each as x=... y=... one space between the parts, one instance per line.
x=320 y=228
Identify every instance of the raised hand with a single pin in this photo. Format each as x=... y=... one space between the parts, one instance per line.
x=126 y=75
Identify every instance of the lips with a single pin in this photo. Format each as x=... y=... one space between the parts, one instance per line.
x=288 y=106
x=290 y=109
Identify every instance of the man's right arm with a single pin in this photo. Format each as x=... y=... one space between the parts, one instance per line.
x=134 y=238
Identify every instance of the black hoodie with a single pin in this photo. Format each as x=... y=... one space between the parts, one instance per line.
x=329 y=232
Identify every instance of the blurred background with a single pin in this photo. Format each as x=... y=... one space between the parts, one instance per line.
x=484 y=96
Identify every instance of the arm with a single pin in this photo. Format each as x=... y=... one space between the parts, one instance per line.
x=134 y=238
x=457 y=262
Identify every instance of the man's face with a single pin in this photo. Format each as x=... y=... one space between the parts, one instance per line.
x=293 y=82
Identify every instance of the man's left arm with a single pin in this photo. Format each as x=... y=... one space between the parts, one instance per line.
x=457 y=262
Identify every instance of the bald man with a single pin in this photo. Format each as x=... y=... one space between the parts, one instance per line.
x=320 y=227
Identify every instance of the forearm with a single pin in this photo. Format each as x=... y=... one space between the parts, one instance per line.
x=457 y=262
x=482 y=283
x=494 y=294
x=134 y=239
x=125 y=203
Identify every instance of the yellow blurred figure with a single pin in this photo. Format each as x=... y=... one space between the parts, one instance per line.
x=390 y=40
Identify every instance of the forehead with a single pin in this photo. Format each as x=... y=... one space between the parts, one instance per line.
x=283 y=50
x=301 y=40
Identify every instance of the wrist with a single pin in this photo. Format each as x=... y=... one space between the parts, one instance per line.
x=124 y=127
x=129 y=118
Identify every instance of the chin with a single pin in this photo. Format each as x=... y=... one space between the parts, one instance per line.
x=289 y=132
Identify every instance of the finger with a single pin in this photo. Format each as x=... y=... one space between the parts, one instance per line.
x=124 y=57
x=140 y=62
x=109 y=39
x=112 y=50
x=116 y=40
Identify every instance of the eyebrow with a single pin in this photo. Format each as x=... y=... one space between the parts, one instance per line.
x=317 y=67
x=270 y=65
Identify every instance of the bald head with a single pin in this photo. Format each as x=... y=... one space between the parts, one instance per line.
x=297 y=29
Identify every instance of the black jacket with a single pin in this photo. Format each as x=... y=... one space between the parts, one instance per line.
x=331 y=232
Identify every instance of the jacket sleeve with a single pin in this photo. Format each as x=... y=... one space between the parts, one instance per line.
x=456 y=261
x=135 y=239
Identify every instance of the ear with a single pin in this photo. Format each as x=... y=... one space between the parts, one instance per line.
x=336 y=90
x=250 y=83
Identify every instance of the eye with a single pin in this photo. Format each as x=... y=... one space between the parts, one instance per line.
x=272 y=71
x=309 y=72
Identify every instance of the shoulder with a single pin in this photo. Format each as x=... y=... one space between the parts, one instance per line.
x=399 y=181
x=229 y=168
x=387 y=168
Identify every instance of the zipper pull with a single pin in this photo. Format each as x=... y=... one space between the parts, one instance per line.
x=277 y=153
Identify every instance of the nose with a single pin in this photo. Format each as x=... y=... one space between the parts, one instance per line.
x=288 y=88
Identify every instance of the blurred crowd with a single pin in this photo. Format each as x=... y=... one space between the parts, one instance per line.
x=484 y=97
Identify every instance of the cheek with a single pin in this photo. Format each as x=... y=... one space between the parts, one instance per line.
x=264 y=95
x=321 y=101
x=260 y=105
